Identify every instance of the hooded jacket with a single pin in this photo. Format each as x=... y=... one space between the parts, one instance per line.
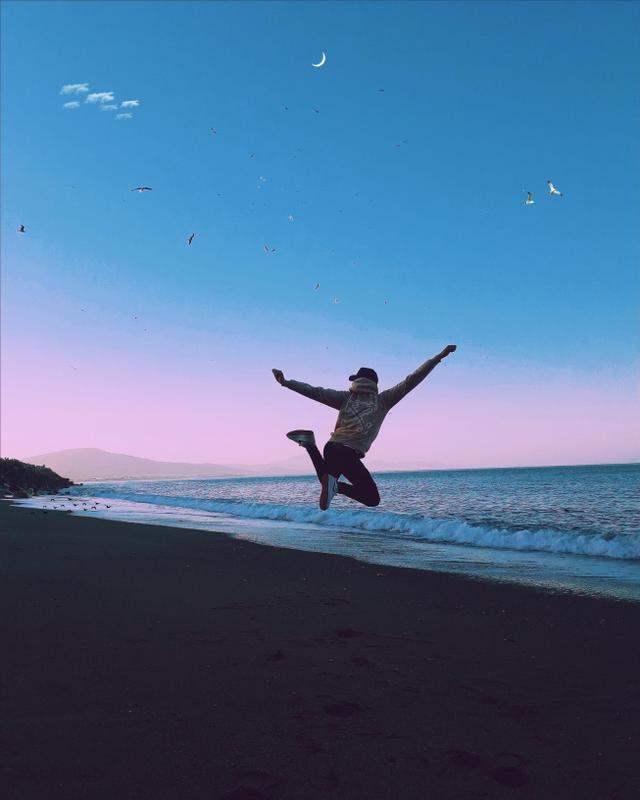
x=362 y=408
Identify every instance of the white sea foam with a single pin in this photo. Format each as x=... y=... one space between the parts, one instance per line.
x=408 y=526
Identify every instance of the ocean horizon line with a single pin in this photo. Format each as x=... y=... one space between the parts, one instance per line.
x=310 y=473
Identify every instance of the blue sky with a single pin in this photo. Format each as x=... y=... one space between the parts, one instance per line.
x=486 y=100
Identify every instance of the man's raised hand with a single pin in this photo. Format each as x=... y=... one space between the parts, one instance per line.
x=278 y=375
x=450 y=348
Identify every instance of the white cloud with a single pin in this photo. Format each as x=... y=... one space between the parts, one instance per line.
x=130 y=104
x=74 y=88
x=72 y=104
x=100 y=97
x=108 y=107
x=124 y=116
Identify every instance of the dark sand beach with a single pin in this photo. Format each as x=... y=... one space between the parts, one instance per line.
x=148 y=662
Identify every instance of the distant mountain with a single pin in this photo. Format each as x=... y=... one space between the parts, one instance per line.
x=92 y=464
x=295 y=465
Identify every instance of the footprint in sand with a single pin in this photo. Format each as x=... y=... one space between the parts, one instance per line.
x=510 y=776
x=277 y=656
x=343 y=709
x=348 y=633
x=518 y=711
x=254 y=785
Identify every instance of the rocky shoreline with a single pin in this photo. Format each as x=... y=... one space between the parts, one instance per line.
x=18 y=479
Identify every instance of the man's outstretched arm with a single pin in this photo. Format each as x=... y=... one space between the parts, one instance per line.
x=392 y=396
x=330 y=397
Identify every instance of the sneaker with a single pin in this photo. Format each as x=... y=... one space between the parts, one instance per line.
x=303 y=438
x=329 y=491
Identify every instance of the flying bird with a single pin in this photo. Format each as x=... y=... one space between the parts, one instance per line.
x=142 y=189
x=317 y=286
x=213 y=131
x=529 y=201
x=553 y=190
x=290 y=217
x=334 y=300
x=22 y=229
x=190 y=239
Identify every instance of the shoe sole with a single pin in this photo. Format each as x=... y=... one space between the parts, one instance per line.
x=304 y=438
x=324 y=493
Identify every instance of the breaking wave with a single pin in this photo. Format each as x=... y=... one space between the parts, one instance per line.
x=414 y=527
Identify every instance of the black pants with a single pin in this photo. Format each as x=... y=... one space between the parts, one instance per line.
x=342 y=460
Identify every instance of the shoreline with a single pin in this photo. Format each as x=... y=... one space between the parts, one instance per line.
x=145 y=661
x=473 y=551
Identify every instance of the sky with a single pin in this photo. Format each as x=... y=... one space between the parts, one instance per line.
x=406 y=205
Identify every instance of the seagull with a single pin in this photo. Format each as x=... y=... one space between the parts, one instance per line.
x=317 y=286
x=381 y=90
x=553 y=190
x=22 y=229
x=265 y=247
x=190 y=239
x=142 y=189
x=334 y=300
x=529 y=201
x=214 y=131
x=290 y=217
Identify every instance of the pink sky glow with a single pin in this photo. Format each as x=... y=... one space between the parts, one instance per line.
x=461 y=416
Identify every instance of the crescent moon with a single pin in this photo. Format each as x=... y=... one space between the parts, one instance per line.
x=322 y=60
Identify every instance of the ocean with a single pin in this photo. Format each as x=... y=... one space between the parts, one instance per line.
x=568 y=529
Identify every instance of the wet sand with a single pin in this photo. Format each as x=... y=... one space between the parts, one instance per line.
x=149 y=662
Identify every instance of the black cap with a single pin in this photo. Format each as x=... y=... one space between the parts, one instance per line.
x=365 y=372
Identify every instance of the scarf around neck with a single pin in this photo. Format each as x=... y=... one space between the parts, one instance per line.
x=365 y=385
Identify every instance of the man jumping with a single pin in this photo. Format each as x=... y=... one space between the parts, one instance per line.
x=362 y=409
